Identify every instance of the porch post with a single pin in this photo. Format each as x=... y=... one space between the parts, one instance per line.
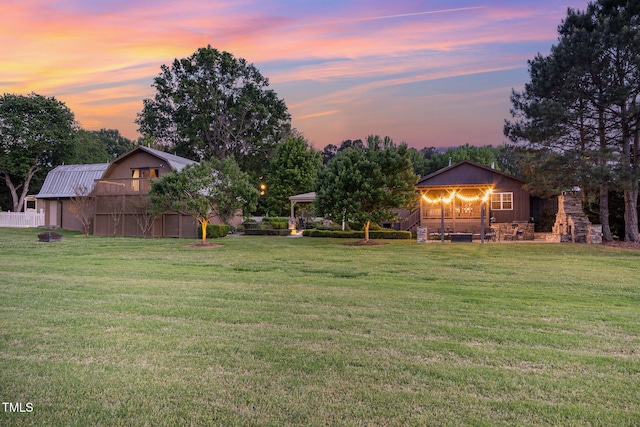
x=482 y=209
x=442 y=217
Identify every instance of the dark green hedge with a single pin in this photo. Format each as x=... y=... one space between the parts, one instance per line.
x=250 y=224
x=267 y=223
x=277 y=223
x=215 y=230
x=267 y=232
x=373 y=234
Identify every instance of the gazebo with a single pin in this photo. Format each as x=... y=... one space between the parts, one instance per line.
x=301 y=198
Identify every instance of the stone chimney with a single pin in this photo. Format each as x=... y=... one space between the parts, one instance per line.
x=572 y=225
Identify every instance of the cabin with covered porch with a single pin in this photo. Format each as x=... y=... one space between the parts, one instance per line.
x=470 y=198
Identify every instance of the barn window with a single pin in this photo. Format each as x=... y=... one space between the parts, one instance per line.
x=502 y=201
x=142 y=173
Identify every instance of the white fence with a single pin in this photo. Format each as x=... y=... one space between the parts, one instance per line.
x=21 y=219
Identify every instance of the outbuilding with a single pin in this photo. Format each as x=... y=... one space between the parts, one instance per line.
x=468 y=197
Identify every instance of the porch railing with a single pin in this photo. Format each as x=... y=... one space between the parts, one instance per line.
x=129 y=186
x=412 y=221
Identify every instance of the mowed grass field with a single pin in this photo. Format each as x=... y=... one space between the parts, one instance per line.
x=300 y=331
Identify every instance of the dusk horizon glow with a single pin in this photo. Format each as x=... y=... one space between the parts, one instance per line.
x=428 y=73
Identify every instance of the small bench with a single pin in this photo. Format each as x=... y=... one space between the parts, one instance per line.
x=462 y=237
x=49 y=236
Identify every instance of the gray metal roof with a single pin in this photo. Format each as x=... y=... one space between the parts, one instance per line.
x=63 y=181
x=175 y=162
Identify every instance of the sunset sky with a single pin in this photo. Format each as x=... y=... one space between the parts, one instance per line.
x=428 y=73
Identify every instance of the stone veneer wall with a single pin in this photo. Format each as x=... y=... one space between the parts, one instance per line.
x=526 y=230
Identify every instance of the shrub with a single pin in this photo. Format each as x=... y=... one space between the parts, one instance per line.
x=215 y=231
x=267 y=232
x=276 y=222
x=377 y=234
x=250 y=224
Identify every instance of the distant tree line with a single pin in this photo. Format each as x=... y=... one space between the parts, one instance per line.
x=430 y=159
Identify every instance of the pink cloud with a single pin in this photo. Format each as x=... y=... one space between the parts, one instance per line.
x=102 y=61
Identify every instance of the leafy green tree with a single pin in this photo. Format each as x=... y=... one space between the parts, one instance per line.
x=102 y=146
x=485 y=155
x=419 y=161
x=347 y=143
x=149 y=141
x=365 y=185
x=293 y=170
x=36 y=133
x=212 y=105
x=113 y=142
x=328 y=153
x=87 y=149
x=205 y=190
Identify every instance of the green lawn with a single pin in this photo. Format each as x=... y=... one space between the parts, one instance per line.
x=282 y=331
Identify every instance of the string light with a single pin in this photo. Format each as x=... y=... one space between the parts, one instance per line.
x=459 y=196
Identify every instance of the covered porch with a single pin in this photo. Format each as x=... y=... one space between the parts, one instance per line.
x=456 y=209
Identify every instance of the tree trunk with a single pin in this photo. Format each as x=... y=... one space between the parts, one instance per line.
x=18 y=200
x=629 y=180
x=631 y=233
x=13 y=190
x=203 y=224
x=604 y=184
x=366 y=230
x=604 y=213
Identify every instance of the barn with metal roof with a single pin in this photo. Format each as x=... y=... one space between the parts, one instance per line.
x=63 y=183
x=66 y=180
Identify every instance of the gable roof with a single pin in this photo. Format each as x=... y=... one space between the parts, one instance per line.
x=305 y=197
x=176 y=163
x=63 y=181
x=465 y=172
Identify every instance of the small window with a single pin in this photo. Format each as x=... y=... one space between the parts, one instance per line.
x=502 y=201
x=142 y=173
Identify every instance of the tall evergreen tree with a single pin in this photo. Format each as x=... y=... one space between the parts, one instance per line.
x=581 y=105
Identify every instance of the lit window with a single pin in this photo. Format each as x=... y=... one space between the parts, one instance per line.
x=142 y=173
x=502 y=201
